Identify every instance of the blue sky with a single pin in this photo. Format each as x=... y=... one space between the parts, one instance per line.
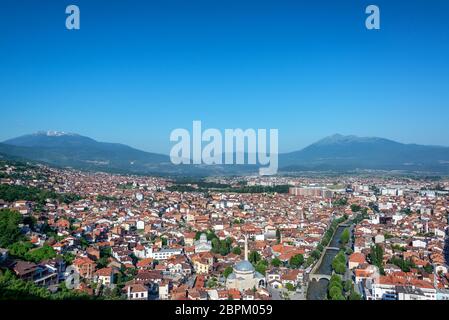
x=138 y=69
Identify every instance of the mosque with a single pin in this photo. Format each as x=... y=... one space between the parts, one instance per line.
x=203 y=245
x=244 y=276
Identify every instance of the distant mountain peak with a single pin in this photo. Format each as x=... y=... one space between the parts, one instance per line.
x=339 y=138
x=52 y=133
x=336 y=138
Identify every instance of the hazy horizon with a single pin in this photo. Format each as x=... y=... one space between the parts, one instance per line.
x=171 y=144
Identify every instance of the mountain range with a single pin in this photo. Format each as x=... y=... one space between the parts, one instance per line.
x=335 y=153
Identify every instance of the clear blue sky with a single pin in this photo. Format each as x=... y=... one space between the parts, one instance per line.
x=138 y=69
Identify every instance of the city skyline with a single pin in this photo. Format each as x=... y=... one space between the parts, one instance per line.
x=132 y=74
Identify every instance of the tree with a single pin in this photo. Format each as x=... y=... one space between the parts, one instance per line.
x=290 y=287
x=428 y=268
x=222 y=247
x=339 y=263
x=355 y=208
x=376 y=257
x=227 y=272
x=340 y=202
x=405 y=265
x=68 y=258
x=339 y=297
x=41 y=254
x=254 y=257
x=310 y=260
x=237 y=251
x=261 y=267
x=211 y=283
x=348 y=285
x=335 y=280
x=334 y=291
x=11 y=193
x=276 y=262
x=344 y=238
x=9 y=227
x=103 y=262
x=335 y=288
x=20 y=249
x=316 y=254
x=354 y=296
x=339 y=268
x=297 y=261
x=17 y=289
x=224 y=251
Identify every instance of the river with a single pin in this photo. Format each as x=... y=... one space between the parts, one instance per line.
x=318 y=290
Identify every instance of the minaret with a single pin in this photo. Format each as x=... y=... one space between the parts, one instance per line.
x=246 y=247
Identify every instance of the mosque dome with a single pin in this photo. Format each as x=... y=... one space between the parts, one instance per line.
x=244 y=266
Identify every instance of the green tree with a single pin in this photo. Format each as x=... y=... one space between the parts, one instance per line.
x=348 y=285
x=227 y=272
x=103 y=262
x=20 y=249
x=334 y=291
x=340 y=202
x=41 y=254
x=405 y=265
x=344 y=238
x=376 y=257
x=339 y=268
x=12 y=288
x=211 y=283
x=237 y=251
x=290 y=287
x=339 y=263
x=297 y=261
x=310 y=260
x=254 y=257
x=261 y=267
x=315 y=254
x=9 y=227
x=428 y=268
x=354 y=296
x=68 y=258
x=335 y=281
x=215 y=245
x=276 y=262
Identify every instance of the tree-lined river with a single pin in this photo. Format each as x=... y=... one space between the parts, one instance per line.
x=318 y=290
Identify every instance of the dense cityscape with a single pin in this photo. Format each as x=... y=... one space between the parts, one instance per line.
x=68 y=234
